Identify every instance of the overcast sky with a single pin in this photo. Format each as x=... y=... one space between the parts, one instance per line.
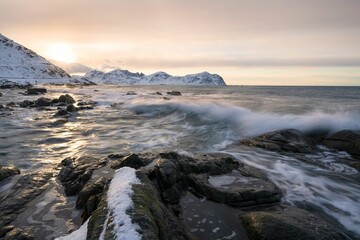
x=311 y=42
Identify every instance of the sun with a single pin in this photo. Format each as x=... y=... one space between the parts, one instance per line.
x=62 y=52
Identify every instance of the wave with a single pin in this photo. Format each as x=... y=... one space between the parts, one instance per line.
x=247 y=122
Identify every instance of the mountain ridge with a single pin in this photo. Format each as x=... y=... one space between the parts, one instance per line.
x=120 y=76
x=17 y=61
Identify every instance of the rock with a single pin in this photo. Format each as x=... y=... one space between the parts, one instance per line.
x=66 y=99
x=35 y=91
x=239 y=191
x=26 y=103
x=1 y=94
x=166 y=98
x=157 y=93
x=289 y=140
x=75 y=173
x=156 y=221
x=8 y=171
x=288 y=223
x=11 y=104
x=131 y=93
x=91 y=189
x=20 y=234
x=5 y=108
x=27 y=188
x=154 y=218
x=62 y=113
x=132 y=160
x=345 y=140
x=72 y=108
x=43 y=102
x=174 y=93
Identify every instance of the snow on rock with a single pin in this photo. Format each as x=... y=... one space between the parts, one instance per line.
x=119 y=201
x=119 y=76
x=17 y=61
x=79 y=234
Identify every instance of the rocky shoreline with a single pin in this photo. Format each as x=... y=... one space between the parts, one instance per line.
x=177 y=196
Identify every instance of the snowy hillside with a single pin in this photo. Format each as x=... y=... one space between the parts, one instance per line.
x=17 y=61
x=118 y=76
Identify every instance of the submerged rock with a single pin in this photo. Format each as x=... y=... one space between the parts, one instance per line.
x=288 y=223
x=174 y=93
x=35 y=91
x=8 y=171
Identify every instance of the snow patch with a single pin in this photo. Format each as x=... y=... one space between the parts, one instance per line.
x=119 y=201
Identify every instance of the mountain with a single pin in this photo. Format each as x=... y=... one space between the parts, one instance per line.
x=119 y=76
x=17 y=61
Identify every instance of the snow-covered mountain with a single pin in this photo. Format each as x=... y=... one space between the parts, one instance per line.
x=119 y=76
x=17 y=61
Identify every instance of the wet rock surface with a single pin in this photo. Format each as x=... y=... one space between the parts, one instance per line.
x=14 y=200
x=284 y=222
x=345 y=140
x=8 y=171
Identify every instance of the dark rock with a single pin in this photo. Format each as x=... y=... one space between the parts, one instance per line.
x=288 y=223
x=154 y=218
x=72 y=108
x=26 y=103
x=62 y=113
x=345 y=140
x=166 y=98
x=174 y=93
x=8 y=171
x=27 y=188
x=20 y=234
x=35 y=91
x=43 y=102
x=131 y=93
x=90 y=189
x=289 y=140
x=75 y=173
x=242 y=191
x=5 y=108
x=158 y=93
x=1 y=94
x=11 y=104
x=132 y=160
x=66 y=99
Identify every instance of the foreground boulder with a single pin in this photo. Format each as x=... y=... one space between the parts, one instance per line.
x=284 y=222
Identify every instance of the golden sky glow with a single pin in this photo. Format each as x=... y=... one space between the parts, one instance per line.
x=311 y=42
x=62 y=52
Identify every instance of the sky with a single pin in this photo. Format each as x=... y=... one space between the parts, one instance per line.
x=247 y=42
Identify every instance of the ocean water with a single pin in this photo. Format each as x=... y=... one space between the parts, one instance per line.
x=203 y=119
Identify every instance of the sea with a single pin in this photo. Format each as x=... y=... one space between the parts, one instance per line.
x=203 y=119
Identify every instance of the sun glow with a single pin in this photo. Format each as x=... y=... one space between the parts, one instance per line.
x=61 y=52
